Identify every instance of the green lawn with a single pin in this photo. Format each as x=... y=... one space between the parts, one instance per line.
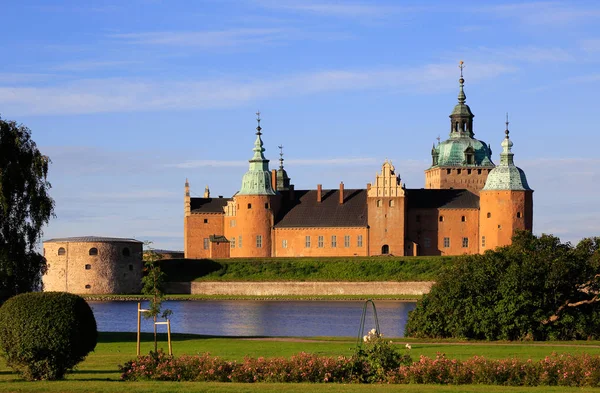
x=98 y=373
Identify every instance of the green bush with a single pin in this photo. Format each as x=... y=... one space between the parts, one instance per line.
x=45 y=334
x=535 y=289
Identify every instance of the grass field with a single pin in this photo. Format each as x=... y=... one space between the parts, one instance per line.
x=306 y=269
x=99 y=373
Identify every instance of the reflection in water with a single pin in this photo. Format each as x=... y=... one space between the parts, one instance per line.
x=260 y=318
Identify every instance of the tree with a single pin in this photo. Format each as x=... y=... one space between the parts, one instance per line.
x=536 y=288
x=25 y=207
x=153 y=282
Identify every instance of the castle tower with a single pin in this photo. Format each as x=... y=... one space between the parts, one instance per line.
x=257 y=204
x=283 y=181
x=461 y=161
x=386 y=213
x=506 y=201
x=187 y=211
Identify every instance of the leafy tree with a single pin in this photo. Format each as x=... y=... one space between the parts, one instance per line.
x=537 y=288
x=25 y=207
x=153 y=283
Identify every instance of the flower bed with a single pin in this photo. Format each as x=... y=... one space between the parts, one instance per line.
x=561 y=370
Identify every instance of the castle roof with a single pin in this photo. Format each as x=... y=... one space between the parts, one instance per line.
x=441 y=199
x=91 y=239
x=257 y=181
x=208 y=205
x=306 y=212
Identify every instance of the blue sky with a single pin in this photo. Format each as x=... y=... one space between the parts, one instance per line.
x=130 y=98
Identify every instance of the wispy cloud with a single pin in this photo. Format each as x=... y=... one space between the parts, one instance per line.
x=206 y=39
x=346 y=9
x=543 y=13
x=516 y=54
x=137 y=195
x=297 y=162
x=126 y=95
x=93 y=65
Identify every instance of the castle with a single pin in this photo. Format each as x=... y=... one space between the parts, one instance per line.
x=469 y=205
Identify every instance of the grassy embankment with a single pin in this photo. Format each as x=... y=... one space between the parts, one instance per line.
x=306 y=269
x=99 y=373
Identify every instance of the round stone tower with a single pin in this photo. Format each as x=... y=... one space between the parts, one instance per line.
x=257 y=204
x=93 y=265
x=505 y=202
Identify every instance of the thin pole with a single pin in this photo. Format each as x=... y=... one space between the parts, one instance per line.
x=169 y=337
x=139 y=327
x=155 y=343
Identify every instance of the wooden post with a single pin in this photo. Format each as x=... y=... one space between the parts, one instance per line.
x=139 y=315
x=169 y=337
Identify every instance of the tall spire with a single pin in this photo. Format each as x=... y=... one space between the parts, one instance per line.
x=461 y=118
x=506 y=157
x=258 y=144
x=280 y=156
x=461 y=94
x=257 y=181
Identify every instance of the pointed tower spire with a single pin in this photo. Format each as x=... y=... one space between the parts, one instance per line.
x=257 y=181
x=506 y=157
x=461 y=118
x=461 y=94
x=280 y=156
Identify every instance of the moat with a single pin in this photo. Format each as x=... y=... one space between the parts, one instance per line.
x=260 y=318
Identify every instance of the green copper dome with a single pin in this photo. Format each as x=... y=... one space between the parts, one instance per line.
x=257 y=181
x=461 y=148
x=506 y=176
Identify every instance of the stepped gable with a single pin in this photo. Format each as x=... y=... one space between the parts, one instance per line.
x=307 y=212
x=441 y=199
x=208 y=205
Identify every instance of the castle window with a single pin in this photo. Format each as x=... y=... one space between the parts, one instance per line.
x=446 y=242
x=333 y=241
x=465 y=242
x=88 y=286
x=249 y=206
x=441 y=218
x=307 y=242
x=232 y=243
x=463 y=219
x=499 y=226
x=240 y=242
x=93 y=251
x=62 y=251
x=266 y=205
x=347 y=241
x=205 y=243
x=482 y=241
x=130 y=268
x=489 y=215
x=359 y=241
x=518 y=214
x=418 y=218
x=468 y=170
x=258 y=241
x=284 y=243
x=479 y=171
x=458 y=171
x=379 y=203
x=88 y=267
x=320 y=243
x=448 y=171
x=126 y=252
x=391 y=203
x=427 y=242
x=206 y=220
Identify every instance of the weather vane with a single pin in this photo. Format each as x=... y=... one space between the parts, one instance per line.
x=258 y=128
x=461 y=65
x=506 y=132
x=438 y=139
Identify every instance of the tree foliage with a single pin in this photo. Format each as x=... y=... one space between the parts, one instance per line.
x=152 y=285
x=25 y=207
x=45 y=334
x=537 y=288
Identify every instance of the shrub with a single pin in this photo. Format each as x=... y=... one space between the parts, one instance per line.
x=377 y=357
x=45 y=334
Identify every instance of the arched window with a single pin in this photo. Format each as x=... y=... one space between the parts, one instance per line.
x=379 y=203
x=62 y=251
x=126 y=252
x=130 y=268
x=391 y=203
x=489 y=215
x=385 y=249
x=93 y=251
x=88 y=267
x=463 y=218
x=441 y=218
x=518 y=214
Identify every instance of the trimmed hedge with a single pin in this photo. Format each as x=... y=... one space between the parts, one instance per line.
x=306 y=269
x=43 y=335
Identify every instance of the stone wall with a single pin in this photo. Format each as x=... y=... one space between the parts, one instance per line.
x=294 y=288
x=116 y=267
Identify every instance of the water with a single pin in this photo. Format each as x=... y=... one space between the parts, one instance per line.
x=259 y=318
